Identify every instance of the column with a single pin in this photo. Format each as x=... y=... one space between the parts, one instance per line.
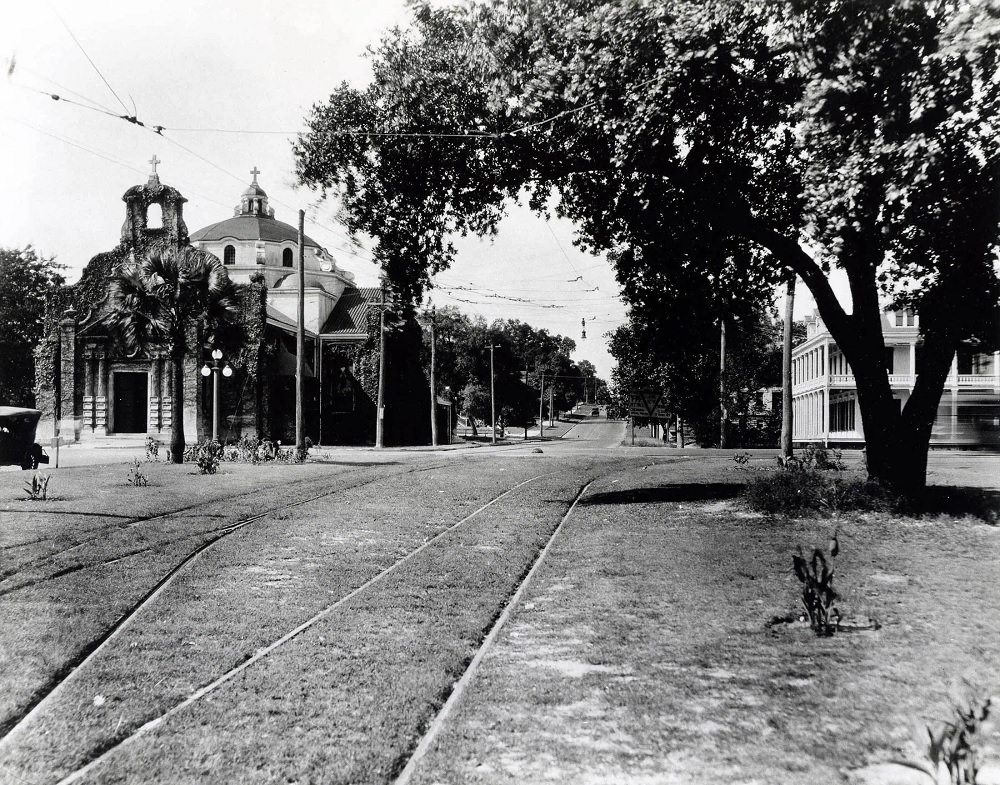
x=156 y=399
x=168 y=393
x=101 y=409
x=66 y=411
x=825 y=403
x=89 y=408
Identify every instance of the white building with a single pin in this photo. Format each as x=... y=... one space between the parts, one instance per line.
x=825 y=399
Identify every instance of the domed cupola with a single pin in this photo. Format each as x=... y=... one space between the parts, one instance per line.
x=254 y=199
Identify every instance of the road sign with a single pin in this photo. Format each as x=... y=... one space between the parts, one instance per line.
x=648 y=404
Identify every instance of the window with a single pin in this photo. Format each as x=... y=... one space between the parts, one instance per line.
x=229 y=255
x=842 y=415
x=286 y=257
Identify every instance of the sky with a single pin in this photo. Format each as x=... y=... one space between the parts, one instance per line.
x=231 y=84
x=251 y=71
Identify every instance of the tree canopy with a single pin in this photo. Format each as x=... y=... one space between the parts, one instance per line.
x=719 y=143
x=27 y=283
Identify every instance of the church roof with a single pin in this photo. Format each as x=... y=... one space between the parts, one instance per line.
x=350 y=316
x=251 y=227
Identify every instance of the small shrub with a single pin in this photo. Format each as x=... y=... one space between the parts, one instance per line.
x=136 y=477
x=206 y=454
x=37 y=487
x=818 y=596
x=152 y=449
x=741 y=459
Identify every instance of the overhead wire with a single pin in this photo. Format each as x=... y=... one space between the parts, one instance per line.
x=90 y=60
x=465 y=135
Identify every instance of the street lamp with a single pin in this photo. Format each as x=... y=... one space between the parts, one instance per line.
x=213 y=371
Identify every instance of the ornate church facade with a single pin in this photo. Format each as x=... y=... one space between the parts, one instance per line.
x=89 y=382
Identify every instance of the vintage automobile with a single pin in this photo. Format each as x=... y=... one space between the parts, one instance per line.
x=17 y=438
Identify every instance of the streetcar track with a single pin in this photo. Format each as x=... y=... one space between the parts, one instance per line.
x=131 y=521
x=85 y=656
x=458 y=688
x=263 y=652
x=7 y=577
x=90 y=650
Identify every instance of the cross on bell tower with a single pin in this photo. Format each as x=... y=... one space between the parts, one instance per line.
x=255 y=171
x=153 y=176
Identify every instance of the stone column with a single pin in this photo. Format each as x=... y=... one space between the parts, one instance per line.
x=156 y=418
x=66 y=410
x=102 y=395
x=89 y=410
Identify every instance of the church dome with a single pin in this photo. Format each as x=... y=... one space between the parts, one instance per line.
x=251 y=227
x=253 y=220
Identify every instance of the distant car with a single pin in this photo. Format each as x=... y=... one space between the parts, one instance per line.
x=595 y=411
x=17 y=438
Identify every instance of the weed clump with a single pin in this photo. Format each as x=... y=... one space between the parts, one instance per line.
x=818 y=596
x=136 y=476
x=37 y=487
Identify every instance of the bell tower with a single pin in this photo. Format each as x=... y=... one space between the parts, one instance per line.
x=138 y=231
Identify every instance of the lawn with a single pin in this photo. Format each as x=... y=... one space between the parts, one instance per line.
x=655 y=644
x=645 y=651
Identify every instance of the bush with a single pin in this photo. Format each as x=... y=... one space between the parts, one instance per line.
x=206 y=454
x=799 y=491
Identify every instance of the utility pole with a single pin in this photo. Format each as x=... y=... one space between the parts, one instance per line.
x=380 y=403
x=541 y=404
x=552 y=389
x=786 y=370
x=722 y=381
x=434 y=424
x=300 y=343
x=493 y=408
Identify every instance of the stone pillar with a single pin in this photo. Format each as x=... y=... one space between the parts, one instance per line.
x=66 y=410
x=89 y=409
x=168 y=392
x=156 y=415
x=101 y=417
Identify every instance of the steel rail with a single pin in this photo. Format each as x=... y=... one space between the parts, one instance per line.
x=459 y=687
x=265 y=651
x=97 y=644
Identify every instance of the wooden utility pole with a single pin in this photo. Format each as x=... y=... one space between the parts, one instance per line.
x=722 y=381
x=493 y=408
x=300 y=343
x=541 y=403
x=786 y=370
x=434 y=422
x=380 y=403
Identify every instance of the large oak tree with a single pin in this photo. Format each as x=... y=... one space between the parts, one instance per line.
x=804 y=136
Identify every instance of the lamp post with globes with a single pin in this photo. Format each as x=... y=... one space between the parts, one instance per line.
x=213 y=371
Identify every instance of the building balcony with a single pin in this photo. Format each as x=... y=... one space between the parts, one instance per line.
x=906 y=381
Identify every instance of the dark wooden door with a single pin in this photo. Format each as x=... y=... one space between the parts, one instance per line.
x=131 y=402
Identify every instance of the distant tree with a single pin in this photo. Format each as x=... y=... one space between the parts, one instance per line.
x=521 y=353
x=27 y=283
x=172 y=297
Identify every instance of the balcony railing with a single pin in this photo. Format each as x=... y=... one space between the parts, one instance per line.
x=846 y=380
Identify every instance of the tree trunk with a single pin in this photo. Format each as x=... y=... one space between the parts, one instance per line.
x=786 y=370
x=177 y=408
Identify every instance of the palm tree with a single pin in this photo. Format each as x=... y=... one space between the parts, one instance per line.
x=168 y=297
